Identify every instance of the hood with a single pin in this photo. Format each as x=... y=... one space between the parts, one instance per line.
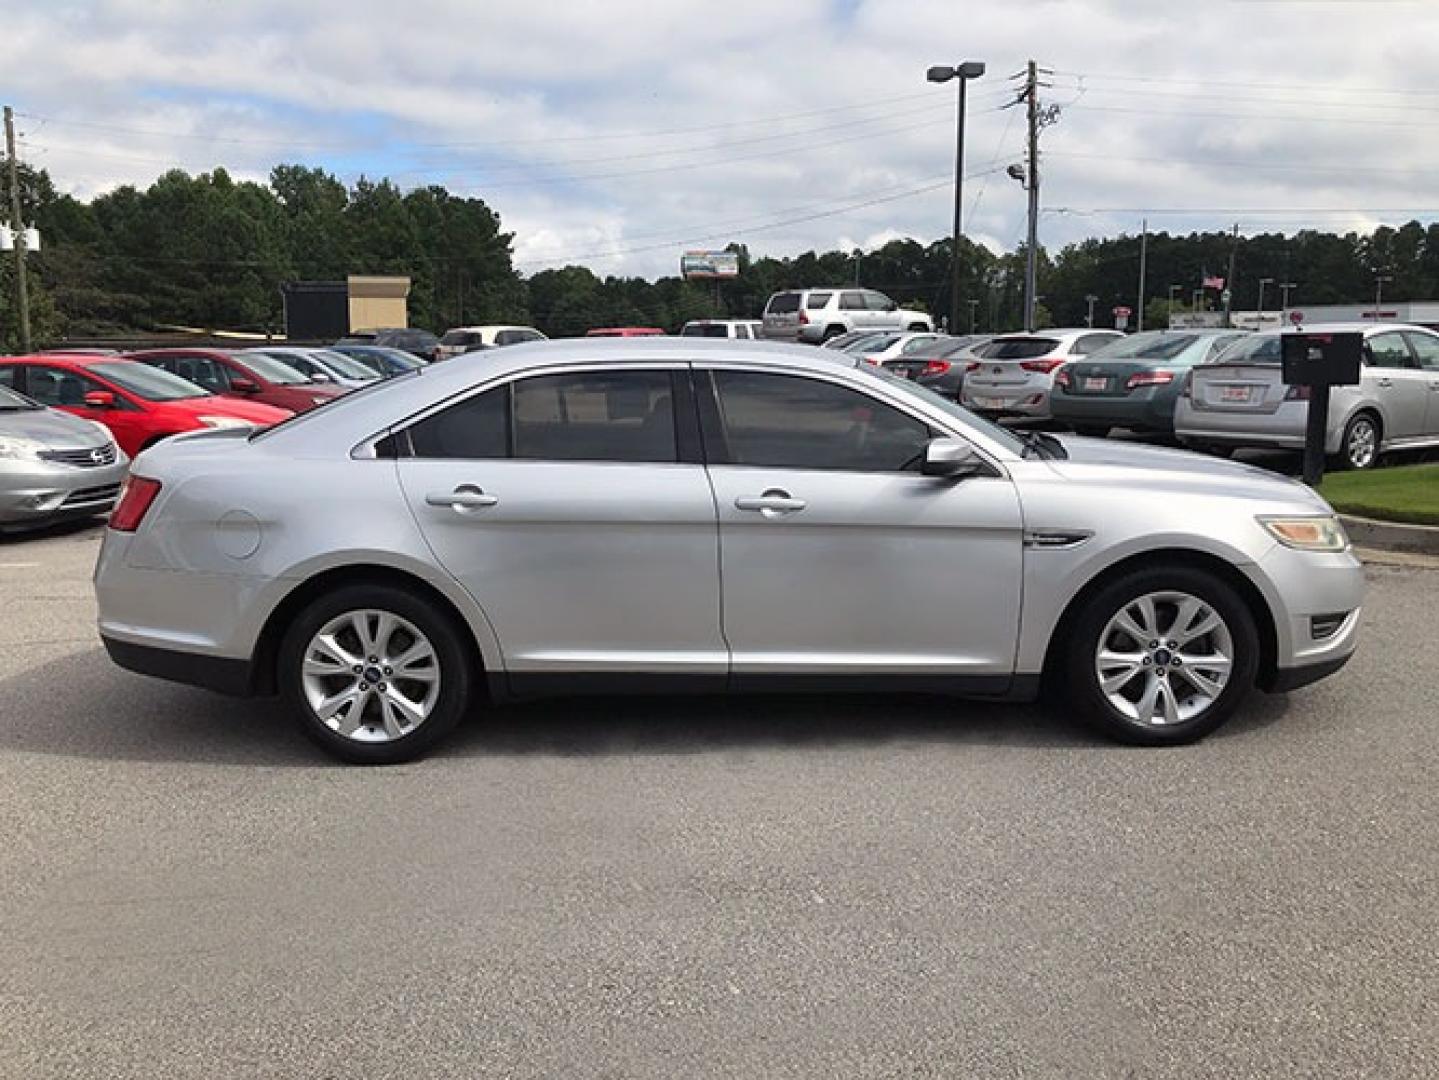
x=1160 y=469
x=57 y=430
x=252 y=411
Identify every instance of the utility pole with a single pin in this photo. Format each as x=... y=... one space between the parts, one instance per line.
x=1229 y=281
x=973 y=310
x=1089 y=316
x=22 y=289
x=1031 y=254
x=1284 y=287
x=1262 y=282
x=1143 y=255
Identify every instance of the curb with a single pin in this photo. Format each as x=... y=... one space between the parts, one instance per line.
x=1391 y=535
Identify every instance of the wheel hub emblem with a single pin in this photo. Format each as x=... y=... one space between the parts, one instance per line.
x=373 y=674
x=1163 y=658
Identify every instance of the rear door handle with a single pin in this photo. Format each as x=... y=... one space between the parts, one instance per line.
x=1386 y=382
x=463 y=499
x=772 y=503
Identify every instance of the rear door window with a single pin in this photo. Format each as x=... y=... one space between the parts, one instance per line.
x=478 y=427
x=852 y=301
x=1389 y=351
x=817 y=300
x=595 y=416
x=878 y=302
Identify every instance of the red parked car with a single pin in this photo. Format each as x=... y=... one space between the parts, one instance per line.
x=139 y=404
x=625 y=331
x=251 y=377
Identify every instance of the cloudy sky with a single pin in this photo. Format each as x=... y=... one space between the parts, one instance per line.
x=616 y=133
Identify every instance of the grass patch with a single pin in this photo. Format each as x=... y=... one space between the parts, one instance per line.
x=1409 y=493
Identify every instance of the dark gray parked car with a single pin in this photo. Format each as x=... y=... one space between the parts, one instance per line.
x=941 y=365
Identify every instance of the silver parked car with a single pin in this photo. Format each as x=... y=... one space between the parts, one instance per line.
x=321 y=365
x=53 y=466
x=1240 y=398
x=1016 y=371
x=686 y=514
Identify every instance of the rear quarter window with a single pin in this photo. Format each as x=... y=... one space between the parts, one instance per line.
x=817 y=300
x=785 y=303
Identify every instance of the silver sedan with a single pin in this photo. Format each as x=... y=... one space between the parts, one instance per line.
x=701 y=515
x=53 y=466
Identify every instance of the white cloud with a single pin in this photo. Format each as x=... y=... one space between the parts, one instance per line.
x=551 y=111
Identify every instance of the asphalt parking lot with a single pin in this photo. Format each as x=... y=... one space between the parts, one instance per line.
x=841 y=887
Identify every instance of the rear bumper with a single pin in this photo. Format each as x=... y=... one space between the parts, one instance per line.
x=996 y=402
x=219 y=673
x=1147 y=414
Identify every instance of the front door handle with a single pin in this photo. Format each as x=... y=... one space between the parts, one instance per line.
x=463 y=499
x=772 y=503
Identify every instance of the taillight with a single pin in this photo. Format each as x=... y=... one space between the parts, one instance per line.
x=1045 y=366
x=973 y=365
x=935 y=367
x=803 y=318
x=1061 y=378
x=1148 y=378
x=1296 y=393
x=135 y=500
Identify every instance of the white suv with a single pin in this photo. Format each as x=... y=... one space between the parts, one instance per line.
x=735 y=329
x=463 y=339
x=815 y=315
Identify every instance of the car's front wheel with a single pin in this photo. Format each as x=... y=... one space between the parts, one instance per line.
x=374 y=674
x=1360 y=448
x=1162 y=656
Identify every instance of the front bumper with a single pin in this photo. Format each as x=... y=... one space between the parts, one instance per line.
x=36 y=493
x=1317 y=604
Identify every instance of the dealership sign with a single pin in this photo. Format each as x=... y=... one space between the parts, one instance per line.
x=709 y=264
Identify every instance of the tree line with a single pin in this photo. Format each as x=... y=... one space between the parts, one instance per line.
x=210 y=251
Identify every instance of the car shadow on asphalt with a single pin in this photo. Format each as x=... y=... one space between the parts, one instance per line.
x=82 y=527
x=83 y=706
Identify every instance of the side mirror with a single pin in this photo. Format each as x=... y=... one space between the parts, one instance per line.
x=951 y=458
x=99 y=399
x=320 y=377
x=245 y=386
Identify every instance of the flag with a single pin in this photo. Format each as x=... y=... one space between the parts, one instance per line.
x=1213 y=282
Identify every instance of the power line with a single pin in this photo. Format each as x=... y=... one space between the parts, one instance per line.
x=1315 y=88
x=1287 y=117
x=1233 y=164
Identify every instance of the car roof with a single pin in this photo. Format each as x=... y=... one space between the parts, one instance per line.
x=1366 y=328
x=71 y=359
x=487 y=326
x=1054 y=332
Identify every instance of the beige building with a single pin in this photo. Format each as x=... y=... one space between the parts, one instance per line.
x=378 y=303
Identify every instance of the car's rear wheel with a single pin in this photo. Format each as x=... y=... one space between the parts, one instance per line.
x=831 y=332
x=374 y=674
x=1360 y=447
x=1092 y=431
x=1162 y=656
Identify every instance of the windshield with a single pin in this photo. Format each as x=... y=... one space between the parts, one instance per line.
x=462 y=337
x=705 y=330
x=272 y=370
x=1252 y=349
x=1154 y=345
x=785 y=303
x=150 y=383
x=1018 y=348
x=345 y=365
x=11 y=401
x=1003 y=436
x=872 y=343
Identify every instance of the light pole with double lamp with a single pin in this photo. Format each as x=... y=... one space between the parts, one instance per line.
x=970 y=69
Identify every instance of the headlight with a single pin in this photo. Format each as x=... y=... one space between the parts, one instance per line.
x=225 y=421
x=12 y=446
x=1308 y=533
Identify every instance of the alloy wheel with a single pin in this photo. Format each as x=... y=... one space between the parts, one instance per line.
x=1164 y=658
x=370 y=676
x=1362 y=444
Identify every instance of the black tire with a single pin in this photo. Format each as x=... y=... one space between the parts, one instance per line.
x=831 y=332
x=1349 y=456
x=453 y=653
x=1080 y=679
x=1093 y=431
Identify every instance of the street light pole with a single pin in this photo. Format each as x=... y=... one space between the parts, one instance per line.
x=1379 y=280
x=1284 y=287
x=973 y=309
x=1173 y=289
x=1262 y=282
x=970 y=69
x=1089 y=316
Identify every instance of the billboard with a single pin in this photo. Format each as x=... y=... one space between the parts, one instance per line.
x=709 y=264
